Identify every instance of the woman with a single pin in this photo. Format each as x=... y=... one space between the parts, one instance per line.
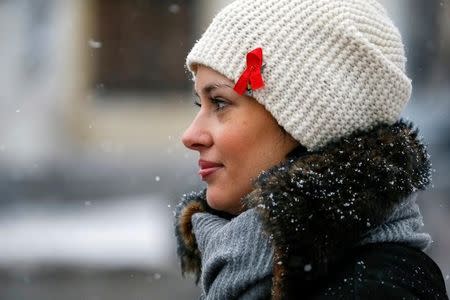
x=311 y=177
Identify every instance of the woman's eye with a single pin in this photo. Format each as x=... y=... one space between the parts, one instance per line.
x=197 y=103
x=219 y=103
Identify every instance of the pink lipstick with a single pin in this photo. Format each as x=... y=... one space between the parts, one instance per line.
x=207 y=168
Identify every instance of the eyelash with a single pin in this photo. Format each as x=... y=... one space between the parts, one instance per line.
x=216 y=102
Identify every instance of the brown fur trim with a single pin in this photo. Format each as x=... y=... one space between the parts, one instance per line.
x=319 y=205
x=187 y=246
x=186 y=225
x=279 y=271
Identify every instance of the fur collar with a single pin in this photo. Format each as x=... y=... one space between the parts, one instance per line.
x=319 y=205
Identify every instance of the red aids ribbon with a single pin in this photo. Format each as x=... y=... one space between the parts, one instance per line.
x=251 y=79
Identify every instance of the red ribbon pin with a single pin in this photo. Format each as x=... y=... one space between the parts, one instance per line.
x=251 y=79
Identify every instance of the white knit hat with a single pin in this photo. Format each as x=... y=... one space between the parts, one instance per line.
x=331 y=66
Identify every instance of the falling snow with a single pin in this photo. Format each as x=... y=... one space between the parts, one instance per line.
x=94 y=44
x=174 y=8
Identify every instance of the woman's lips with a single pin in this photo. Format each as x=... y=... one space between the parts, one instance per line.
x=207 y=168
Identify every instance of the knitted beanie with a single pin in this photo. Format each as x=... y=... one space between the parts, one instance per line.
x=331 y=67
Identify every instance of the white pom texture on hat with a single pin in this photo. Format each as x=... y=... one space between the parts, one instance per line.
x=331 y=66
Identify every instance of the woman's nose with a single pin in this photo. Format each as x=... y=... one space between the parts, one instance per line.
x=197 y=135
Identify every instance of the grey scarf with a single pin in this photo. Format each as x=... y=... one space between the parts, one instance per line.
x=403 y=226
x=236 y=254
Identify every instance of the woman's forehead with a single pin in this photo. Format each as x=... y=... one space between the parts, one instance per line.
x=207 y=80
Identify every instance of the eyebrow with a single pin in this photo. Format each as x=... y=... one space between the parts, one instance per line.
x=211 y=87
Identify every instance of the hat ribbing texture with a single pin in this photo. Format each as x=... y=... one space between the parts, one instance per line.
x=331 y=67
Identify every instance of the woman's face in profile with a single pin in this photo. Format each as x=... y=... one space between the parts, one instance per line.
x=236 y=139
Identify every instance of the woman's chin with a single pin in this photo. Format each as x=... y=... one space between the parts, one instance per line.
x=218 y=202
x=214 y=201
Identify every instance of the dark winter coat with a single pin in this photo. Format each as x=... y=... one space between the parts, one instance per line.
x=318 y=207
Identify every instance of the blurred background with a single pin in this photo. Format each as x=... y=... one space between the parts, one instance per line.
x=93 y=100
